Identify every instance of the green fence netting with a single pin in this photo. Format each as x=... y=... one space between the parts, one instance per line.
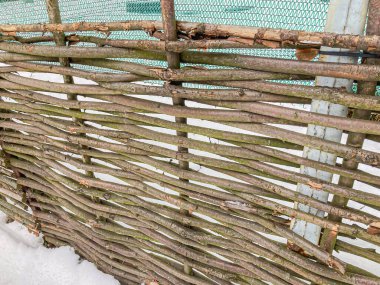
x=287 y=14
x=290 y=14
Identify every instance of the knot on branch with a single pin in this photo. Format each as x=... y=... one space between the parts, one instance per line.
x=151 y=31
x=374 y=228
x=289 y=38
x=292 y=246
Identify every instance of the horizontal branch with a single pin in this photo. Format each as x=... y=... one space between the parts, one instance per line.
x=339 y=70
x=264 y=36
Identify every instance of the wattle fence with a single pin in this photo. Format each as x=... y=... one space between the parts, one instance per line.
x=182 y=158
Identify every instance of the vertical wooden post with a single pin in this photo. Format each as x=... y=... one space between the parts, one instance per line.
x=173 y=59
x=54 y=14
x=345 y=17
x=2 y=152
x=355 y=139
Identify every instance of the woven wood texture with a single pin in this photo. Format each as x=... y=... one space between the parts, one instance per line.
x=189 y=175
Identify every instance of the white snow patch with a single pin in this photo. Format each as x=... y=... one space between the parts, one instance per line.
x=24 y=260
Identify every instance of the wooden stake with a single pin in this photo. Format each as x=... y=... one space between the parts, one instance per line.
x=54 y=14
x=170 y=28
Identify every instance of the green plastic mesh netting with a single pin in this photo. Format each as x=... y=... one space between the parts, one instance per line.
x=291 y=14
x=288 y=14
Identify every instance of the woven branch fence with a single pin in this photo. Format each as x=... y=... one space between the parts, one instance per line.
x=187 y=174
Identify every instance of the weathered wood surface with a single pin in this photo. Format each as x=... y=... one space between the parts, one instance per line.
x=198 y=184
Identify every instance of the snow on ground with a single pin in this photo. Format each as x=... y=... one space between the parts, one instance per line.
x=25 y=261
